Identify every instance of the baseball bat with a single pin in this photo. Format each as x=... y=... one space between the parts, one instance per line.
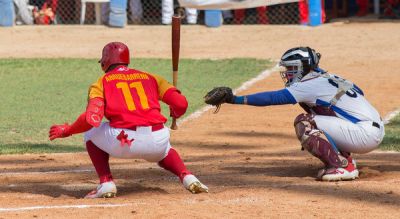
x=176 y=37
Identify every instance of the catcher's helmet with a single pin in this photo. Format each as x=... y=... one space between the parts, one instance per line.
x=114 y=53
x=298 y=62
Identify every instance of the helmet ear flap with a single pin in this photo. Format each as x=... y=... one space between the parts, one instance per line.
x=306 y=67
x=314 y=58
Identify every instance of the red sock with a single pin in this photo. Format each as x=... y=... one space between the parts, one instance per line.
x=172 y=162
x=100 y=162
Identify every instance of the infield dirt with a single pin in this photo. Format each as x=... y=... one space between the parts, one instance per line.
x=248 y=156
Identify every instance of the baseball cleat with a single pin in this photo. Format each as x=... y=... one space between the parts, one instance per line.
x=194 y=185
x=337 y=174
x=353 y=161
x=104 y=190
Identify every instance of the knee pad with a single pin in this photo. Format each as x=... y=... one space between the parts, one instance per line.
x=304 y=124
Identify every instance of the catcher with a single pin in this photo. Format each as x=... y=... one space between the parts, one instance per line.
x=129 y=99
x=338 y=120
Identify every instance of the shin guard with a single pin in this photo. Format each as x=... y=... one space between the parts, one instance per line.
x=315 y=142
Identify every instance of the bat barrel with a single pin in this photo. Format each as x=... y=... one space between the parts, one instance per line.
x=176 y=30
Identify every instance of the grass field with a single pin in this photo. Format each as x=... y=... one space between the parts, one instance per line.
x=36 y=93
x=392 y=136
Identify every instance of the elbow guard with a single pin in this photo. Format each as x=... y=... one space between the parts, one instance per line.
x=95 y=111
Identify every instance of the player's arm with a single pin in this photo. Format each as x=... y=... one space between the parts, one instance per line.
x=66 y=130
x=176 y=101
x=90 y=118
x=171 y=96
x=279 y=97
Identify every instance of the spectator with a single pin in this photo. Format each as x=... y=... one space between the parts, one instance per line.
x=227 y=16
x=44 y=11
x=392 y=9
x=37 y=3
x=303 y=12
x=7 y=15
x=261 y=15
x=23 y=12
x=168 y=12
x=362 y=7
x=134 y=6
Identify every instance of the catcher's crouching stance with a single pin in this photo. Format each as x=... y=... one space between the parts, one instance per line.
x=339 y=119
x=128 y=98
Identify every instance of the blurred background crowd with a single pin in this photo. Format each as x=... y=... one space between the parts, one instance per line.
x=156 y=12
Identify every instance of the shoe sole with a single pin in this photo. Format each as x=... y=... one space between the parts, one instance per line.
x=341 y=178
x=196 y=188
x=109 y=195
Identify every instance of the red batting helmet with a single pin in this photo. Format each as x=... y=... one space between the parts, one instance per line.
x=114 y=53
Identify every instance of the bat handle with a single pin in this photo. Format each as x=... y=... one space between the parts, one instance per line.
x=174 y=126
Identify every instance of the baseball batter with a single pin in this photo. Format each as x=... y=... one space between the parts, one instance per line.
x=129 y=100
x=338 y=120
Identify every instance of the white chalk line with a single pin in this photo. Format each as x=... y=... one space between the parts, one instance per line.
x=190 y=201
x=64 y=207
x=44 y=172
x=15 y=173
x=243 y=87
x=390 y=116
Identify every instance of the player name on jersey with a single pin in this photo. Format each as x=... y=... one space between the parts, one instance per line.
x=126 y=77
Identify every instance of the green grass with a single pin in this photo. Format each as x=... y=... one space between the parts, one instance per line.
x=36 y=93
x=391 y=141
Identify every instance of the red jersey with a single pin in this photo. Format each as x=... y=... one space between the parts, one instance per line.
x=131 y=97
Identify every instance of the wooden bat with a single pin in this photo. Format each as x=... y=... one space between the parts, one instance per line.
x=176 y=37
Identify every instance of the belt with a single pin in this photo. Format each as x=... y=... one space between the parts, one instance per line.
x=375 y=124
x=154 y=128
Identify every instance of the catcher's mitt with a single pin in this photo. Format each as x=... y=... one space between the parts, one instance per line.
x=218 y=96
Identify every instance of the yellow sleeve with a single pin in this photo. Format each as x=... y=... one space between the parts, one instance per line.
x=163 y=85
x=96 y=89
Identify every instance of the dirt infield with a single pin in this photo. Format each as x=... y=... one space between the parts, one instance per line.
x=248 y=156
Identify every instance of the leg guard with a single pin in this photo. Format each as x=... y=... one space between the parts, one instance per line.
x=315 y=142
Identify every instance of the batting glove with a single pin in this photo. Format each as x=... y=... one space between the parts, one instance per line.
x=59 y=131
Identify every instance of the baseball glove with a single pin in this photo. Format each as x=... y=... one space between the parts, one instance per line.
x=218 y=96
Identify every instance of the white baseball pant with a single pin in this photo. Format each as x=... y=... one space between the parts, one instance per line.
x=148 y=145
x=361 y=137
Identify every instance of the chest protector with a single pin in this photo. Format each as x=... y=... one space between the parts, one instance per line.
x=343 y=86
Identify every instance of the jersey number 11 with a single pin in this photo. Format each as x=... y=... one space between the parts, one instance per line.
x=126 y=91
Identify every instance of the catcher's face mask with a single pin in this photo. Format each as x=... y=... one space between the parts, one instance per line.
x=291 y=72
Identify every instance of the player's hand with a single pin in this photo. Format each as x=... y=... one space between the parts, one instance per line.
x=172 y=113
x=59 y=131
x=219 y=95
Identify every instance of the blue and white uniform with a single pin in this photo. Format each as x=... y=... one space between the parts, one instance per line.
x=352 y=123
